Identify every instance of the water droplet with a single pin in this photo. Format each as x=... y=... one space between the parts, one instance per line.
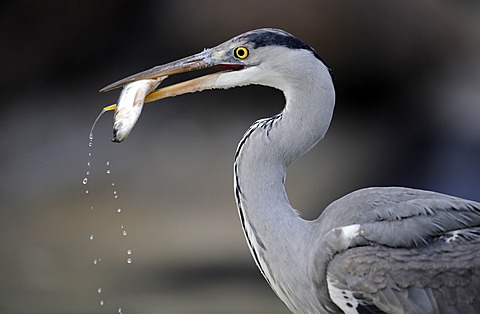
x=113 y=183
x=108 y=171
x=89 y=154
x=129 y=260
x=116 y=196
x=90 y=136
x=119 y=310
x=108 y=163
x=85 y=180
x=97 y=260
x=119 y=210
x=90 y=144
x=91 y=207
x=124 y=232
x=129 y=252
x=99 y=290
x=88 y=163
x=88 y=173
x=92 y=237
x=86 y=191
x=102 y=303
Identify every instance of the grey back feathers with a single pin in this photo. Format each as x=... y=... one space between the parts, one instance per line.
x=414 y=252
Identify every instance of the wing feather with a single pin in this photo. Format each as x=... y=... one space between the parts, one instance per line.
x=412 y=252
x=441 y=278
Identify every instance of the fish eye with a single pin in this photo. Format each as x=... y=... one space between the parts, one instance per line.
x=241 y=52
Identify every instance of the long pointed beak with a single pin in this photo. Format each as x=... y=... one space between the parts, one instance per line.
x=206 y=59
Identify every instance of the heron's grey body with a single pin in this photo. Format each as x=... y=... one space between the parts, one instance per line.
x=376 y=250
x=402 y=233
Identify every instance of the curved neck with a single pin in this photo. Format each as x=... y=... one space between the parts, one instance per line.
x=275 y=234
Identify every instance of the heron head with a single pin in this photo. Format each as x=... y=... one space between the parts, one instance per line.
x=268 y=57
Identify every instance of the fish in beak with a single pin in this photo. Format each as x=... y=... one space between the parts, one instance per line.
x=129 y=106
x=140 y=87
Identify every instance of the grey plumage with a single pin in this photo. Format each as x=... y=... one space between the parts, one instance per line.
x=376 y=250
x=406 y=260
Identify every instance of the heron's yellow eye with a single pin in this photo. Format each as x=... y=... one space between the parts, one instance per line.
x=241 y=52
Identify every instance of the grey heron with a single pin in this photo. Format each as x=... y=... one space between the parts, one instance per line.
x=375 y=250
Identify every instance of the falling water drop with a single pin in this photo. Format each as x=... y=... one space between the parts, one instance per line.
x=88 y=164
x=129 y=260
x=102 y=302
x=99 y=290
x=108 y=171
x=91 y=237
x=119 y=210
x=90 y=144
x=124 y=233
x=108 y=163
x=85 y=180
x=86 y=191
x=119 y=310
x=129 y=252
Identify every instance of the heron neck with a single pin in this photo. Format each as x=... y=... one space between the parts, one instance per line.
x=275 y=233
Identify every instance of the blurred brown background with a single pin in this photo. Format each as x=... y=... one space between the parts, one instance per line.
x=408 y=112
